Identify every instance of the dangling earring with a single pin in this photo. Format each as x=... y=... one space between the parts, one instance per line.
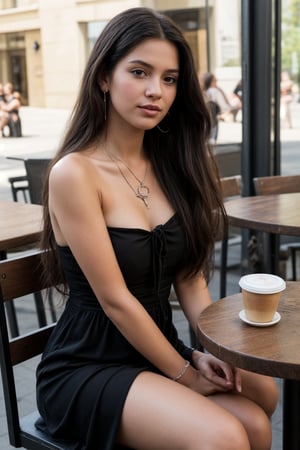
x=104 y=100
x=161 y=130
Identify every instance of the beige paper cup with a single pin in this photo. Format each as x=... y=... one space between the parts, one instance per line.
x=261 y=294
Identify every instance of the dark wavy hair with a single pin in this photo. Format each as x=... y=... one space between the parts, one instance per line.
x=182 y=158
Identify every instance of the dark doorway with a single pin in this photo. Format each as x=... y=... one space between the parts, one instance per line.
x=17 y=72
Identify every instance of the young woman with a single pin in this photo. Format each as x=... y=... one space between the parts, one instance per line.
x=132 y=206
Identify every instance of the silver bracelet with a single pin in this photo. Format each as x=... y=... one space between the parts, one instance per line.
x=180 y=375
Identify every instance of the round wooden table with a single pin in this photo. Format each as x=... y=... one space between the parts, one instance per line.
x=270 y=350
x=273 y=214
x=20 y=224
x=277 y=214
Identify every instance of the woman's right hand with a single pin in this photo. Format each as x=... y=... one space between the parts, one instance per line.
x=212 y=375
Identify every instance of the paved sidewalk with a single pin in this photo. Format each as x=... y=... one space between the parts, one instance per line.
x=42 y=131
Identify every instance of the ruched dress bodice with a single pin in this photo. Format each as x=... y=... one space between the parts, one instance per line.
x=88 y=366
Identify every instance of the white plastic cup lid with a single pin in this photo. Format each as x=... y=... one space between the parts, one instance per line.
x=262 y=283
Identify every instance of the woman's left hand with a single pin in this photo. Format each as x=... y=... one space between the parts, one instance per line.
x=221 y=374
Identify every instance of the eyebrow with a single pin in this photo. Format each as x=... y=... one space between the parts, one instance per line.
x=145 y=64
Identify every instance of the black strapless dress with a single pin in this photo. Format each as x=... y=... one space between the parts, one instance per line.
x=88 y=366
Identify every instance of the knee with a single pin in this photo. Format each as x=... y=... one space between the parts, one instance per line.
x=228 y=434
x=233 y=436
x=270 y=397
x=260 y=431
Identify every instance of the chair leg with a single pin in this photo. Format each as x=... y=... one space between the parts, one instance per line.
x=10 y=309
x=40 y=310
x=223 y=267
x=12 y=319
x=52 y=307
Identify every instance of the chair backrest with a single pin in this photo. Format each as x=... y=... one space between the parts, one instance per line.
x=228 y=158
x=278 y=184
x=36 y=170
x=231 y=186
x=19 y=277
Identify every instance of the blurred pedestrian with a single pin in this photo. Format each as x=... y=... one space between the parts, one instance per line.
x=286 y=98
x=215 y=93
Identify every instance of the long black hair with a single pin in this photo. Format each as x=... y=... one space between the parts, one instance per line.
x=182 y=158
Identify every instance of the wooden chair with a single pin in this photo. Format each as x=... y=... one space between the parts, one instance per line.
x=281 y=184
x=277 y=184
x=20 y=277
x=231 y=187
x=228 y=158
x=32 y=184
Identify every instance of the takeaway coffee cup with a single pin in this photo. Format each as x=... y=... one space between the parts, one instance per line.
x=261 y=293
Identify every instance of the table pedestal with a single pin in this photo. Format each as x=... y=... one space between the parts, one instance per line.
x=291 y=414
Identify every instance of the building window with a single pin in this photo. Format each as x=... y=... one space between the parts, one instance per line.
x=93 y=31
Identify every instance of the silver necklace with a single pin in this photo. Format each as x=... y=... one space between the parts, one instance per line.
x=142 y=191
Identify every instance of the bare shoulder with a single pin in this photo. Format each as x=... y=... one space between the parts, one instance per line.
x=73 y=169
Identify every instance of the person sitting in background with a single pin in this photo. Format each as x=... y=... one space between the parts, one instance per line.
x=213 y=93
x=10 y=106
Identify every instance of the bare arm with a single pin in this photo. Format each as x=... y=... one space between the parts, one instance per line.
x=11 y=106
x=194 y=297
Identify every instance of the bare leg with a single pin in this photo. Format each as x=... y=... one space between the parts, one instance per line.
x=261 y=390
x=252 y=416
x=253 y=407
x=4 y=119
x=164 y=415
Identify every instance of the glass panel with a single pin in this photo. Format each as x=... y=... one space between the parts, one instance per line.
x=93 y=30
x=15 y=41
x=290 y=79
x=17 y=62
x=222 y=80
